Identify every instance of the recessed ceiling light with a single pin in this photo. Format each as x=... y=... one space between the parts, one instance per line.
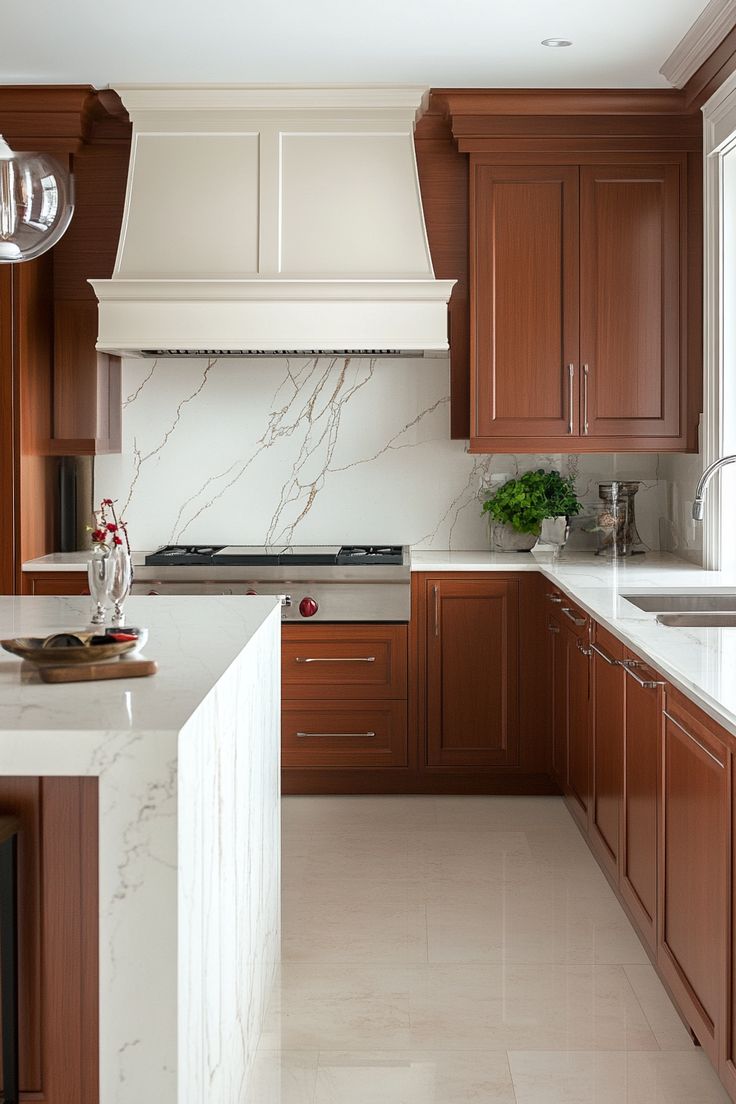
x=556 y=42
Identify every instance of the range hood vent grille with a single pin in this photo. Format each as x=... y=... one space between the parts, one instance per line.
x=281 y=352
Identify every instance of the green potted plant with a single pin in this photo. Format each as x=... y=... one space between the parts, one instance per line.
x=517 y=509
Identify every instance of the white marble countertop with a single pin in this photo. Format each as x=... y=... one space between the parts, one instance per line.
x=194 y=640
x=69 y=561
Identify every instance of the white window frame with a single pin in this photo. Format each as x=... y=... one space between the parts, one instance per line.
x=719 y=141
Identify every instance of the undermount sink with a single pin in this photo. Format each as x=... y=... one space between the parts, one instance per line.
x=702 y=620
x=690 y=604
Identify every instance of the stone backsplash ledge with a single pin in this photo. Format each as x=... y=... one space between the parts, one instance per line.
x=324 y=450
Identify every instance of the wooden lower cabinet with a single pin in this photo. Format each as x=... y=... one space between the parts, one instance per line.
x=693 y=867
x=58 y=943
x=607 y=747
x=344 y=698
x=472 y=672
x=558 y=707
x=55 y=582
x=641 y=775
x=578 y=724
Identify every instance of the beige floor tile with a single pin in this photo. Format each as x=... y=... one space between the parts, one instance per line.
x=423 y=938
x=283 y=1078
x=538 y=922
x=414 y=1078
x=633 y=1078
x=376 y=922
x=356 y=1007
x=670 y=1032
x=355 y=813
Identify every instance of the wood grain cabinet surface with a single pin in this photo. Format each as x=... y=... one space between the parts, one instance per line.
x=472 y=672
x=344 y=690
x=55 y=582
x=579 y=306
x=694 y=867
x=642 y=749
x=58 y=943
x=607 y=748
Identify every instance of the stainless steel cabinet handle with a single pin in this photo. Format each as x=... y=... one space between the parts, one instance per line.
x=690 y=736
x=555 y=598
x=586 y=371
x=604 y=655
x=335 y=659
x=324 y=735
x=571 y=397
x=581 y=648
x=629 y=666
x=571 y=614
x=436 y=591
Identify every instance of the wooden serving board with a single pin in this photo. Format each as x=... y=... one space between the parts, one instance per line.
x=94 y=672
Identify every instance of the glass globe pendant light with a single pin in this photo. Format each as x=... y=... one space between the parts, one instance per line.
x=36 y=203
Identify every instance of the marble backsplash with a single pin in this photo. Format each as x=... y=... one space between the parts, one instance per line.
x=325 y=450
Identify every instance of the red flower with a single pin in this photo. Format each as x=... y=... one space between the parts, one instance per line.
x=107 y=502
x=98 y=536
x=111 y=527
x=117 y=540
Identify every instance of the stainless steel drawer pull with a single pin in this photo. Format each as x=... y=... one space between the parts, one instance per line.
x=571 y=614
x=604 y=655
x=555 y=598
x=335 y=659
x=326 y=735
x=570 y=398
x=630 y=666
x=694 y=740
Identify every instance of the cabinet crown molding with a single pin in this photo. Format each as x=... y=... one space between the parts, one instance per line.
x=705 y=35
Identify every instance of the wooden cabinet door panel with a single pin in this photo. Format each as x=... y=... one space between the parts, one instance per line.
x=472 y=673
x=693 y=869
x=578 y=724
x=344 y=734
x=525 y=296
x=58 y=941
x=344 y=661
x=630 y=261
x=607 y=678
x=558 y=683
x=640 y=801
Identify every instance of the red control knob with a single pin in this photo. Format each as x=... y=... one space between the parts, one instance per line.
x=251 y=593
x=308 y=607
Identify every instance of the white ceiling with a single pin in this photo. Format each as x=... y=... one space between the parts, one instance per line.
x=434 y=42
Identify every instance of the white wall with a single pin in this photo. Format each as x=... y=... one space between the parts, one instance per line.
x=274 y=450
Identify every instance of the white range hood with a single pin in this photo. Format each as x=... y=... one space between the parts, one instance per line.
x=262 y=219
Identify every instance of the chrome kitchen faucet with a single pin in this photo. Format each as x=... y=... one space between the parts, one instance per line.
x=710 y=471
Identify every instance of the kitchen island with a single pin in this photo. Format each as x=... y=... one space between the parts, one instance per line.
x=187 y=767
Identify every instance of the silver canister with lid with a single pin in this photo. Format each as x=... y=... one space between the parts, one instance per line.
x=618 y=536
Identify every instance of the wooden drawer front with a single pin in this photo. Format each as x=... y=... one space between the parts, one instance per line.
x=344 y=661
x=329 y=734
x=62 y=582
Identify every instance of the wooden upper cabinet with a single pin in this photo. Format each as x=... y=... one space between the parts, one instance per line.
x=472 y=672
x=579 y=306
x=630 y=269
x=524 y=300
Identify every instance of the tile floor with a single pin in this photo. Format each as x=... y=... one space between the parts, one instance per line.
x=452 y=950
